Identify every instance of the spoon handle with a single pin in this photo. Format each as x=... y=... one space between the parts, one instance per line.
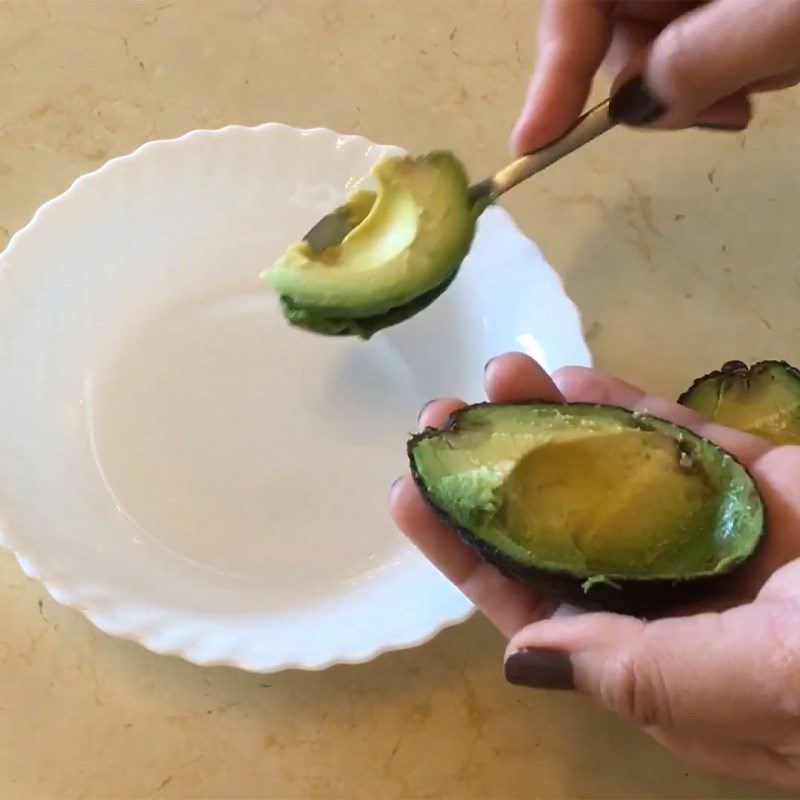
x=590 y=125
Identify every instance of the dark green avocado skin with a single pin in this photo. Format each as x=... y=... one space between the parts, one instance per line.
x=644 y=598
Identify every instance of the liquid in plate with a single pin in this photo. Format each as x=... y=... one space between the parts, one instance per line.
x=249 y=449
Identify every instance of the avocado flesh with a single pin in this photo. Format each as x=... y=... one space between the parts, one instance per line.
x=611 y=504
x=592 y=492
x=763 y=399
x=407 y=243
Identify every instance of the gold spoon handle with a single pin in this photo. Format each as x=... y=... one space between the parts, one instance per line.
x=589 y=126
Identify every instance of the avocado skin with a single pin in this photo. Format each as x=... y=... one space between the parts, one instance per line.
x=646 y=598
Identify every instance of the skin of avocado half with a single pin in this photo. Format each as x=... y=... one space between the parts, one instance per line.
x=405 y=248
x=763 y=399
x=569 y=446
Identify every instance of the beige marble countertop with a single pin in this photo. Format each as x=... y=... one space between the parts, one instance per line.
x=688 y=238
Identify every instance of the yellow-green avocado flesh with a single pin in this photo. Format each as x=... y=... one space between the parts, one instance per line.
x=763 y=399
x=593 y=492
x=408 y=241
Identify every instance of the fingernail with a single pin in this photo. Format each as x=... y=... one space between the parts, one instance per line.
x=717 y=126
x=634 y=104
x=422 y=411
x=539 y=668
x=395 y=484
x=489 y=363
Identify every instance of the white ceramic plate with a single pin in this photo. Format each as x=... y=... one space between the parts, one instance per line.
x=190 y=472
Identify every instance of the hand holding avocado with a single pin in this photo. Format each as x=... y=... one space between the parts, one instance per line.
x=716 y=682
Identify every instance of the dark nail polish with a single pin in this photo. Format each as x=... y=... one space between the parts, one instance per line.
x=634 y=104
x=716 y=126
x=539 y=668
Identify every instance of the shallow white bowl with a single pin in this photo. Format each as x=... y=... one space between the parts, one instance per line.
x=184 y=468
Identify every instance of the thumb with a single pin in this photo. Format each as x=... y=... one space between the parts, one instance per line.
x=716 y=673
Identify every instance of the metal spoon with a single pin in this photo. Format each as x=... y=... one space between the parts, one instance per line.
x=333 y=227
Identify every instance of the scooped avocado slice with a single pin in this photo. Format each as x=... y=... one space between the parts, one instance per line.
x=593 y=504
x=763 y=399
x=408 y=241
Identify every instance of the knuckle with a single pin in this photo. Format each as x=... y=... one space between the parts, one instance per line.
x=635 y=690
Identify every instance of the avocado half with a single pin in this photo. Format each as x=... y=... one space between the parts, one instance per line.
x=407 y=242
x=594 y=505
x=763 y=399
